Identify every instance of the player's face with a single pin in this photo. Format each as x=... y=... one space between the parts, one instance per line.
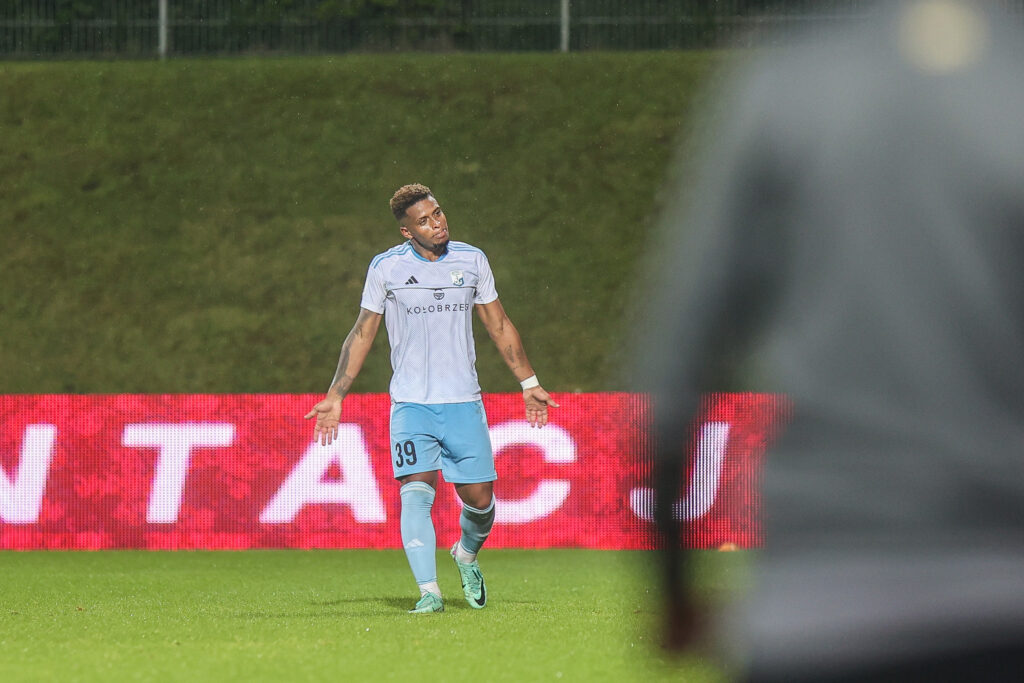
x=426 y=225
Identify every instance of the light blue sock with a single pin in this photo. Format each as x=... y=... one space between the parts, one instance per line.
x=476 y=525
x=418 y=531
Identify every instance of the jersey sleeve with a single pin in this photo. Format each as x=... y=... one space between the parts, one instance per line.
x=374 y=291
x=485 y=291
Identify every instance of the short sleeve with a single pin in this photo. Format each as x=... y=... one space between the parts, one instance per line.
x=374 y=291
x=485 y=291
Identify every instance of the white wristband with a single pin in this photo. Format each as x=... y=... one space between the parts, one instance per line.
x=530 y=382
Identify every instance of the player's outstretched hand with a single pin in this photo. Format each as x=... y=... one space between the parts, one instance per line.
x=328 y=414
x=537 y=402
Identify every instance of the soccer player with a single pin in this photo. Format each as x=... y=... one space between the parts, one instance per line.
x=425 y=289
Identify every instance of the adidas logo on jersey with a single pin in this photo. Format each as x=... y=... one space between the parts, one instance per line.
x=412 y=281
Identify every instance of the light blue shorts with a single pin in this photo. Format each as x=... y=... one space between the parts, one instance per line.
x=451 y=437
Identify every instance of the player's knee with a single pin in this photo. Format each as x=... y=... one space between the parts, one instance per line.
x=483 y=509
x=428 y=478
x=480 y=503
x=479 y=496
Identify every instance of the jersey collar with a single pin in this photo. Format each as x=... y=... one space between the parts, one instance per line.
x=420 y=257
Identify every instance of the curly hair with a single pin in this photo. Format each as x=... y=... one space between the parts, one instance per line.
x=406 y=196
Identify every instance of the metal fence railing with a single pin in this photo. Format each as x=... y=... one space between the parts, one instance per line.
x=145 y=28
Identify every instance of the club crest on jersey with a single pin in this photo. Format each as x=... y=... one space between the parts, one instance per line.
x=457 y=279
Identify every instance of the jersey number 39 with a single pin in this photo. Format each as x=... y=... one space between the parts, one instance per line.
x=405 y=453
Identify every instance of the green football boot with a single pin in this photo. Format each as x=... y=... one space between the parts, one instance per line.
x=428 y=604
x=472 y=581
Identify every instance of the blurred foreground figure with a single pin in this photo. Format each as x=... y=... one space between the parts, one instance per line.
x=856 y=241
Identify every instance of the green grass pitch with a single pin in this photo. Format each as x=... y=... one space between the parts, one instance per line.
x=571 y=615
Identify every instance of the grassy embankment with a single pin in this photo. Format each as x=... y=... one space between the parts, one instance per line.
x=205 y=225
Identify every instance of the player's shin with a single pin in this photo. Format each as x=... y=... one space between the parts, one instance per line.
x=476 y=526
x=418 y=535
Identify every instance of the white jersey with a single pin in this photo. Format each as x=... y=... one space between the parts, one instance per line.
x=428 y=309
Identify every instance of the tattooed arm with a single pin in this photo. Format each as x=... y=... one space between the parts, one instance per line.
x=353 y=354
x=506 y=338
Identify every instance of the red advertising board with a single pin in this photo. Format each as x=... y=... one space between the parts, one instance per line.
x=242 y=471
